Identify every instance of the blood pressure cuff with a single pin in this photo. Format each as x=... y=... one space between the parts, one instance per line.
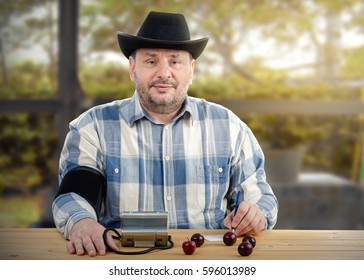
x=87 y=183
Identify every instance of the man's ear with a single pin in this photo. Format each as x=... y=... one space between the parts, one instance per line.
x=131 y=68
x=193 y=64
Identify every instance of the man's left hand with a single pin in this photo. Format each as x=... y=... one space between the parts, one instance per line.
x=249 y=219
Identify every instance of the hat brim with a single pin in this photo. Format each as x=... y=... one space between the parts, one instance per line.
x=129 y=43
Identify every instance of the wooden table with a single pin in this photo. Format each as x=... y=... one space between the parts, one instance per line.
x=49 y=244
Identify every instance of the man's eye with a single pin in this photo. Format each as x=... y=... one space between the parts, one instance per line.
x=176 y=63
x=151 y=62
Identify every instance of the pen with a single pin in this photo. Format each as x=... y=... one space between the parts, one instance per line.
x=237 y=202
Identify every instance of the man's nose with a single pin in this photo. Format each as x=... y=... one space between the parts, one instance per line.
x=164 y=70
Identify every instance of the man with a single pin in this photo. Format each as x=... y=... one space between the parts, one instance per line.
x=160 y=150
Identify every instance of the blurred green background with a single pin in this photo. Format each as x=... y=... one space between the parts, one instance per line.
x=271 y=50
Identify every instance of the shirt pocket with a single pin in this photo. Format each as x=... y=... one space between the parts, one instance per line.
x=213 y=182
x=122 y=171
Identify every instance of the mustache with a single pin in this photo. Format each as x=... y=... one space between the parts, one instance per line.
x=163 y=82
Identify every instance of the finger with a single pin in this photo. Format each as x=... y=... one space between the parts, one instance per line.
x=111 y=242
x=79 y=247
x=254 y=222
x=100 y=245
x=89 y=246
x=247 y=217
x=70 y=248
x=260 y=226
x=240 y=214
x=256 y=229
x=249 y=223
x=228 y=220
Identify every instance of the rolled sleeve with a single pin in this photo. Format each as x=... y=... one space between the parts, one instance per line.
x=250 y=178
x=68 y=209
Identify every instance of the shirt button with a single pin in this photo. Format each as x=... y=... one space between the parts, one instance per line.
x=220 y=169
x=167 y=158
x=116 y=170
x=169 y=198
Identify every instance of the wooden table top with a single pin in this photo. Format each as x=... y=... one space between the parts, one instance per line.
x=49 y=244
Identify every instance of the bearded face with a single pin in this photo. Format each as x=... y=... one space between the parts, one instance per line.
x=162 y=78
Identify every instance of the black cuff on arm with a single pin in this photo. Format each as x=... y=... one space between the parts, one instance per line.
x=87 y=183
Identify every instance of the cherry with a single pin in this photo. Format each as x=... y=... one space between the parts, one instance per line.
x=189 y=247
x=251 y=239
x=229 y=238
x=245 y=248
x=198 y=238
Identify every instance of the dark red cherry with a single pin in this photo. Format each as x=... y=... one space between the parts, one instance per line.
x=229 y=238
x=198 y=238
x=245 y=248
x=251 y=239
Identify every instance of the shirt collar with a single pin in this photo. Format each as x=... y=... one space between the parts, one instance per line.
x=136 y=111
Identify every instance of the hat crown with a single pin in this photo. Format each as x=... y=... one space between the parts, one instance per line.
x=162 y=31
x=165 y=26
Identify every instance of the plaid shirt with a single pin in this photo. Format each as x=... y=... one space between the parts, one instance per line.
x=192 y=167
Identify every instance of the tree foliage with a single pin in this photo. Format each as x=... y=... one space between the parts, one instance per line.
x=316 y=25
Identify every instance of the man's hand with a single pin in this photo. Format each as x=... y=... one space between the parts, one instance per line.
x=249 y=219
x=86 y=236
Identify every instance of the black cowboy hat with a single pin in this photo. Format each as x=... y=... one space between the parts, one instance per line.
x=162 y=31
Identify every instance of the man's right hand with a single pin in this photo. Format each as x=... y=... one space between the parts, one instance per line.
x=86 y=237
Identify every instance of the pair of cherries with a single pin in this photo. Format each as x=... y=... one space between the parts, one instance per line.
x=189 y=246
x=246 y=246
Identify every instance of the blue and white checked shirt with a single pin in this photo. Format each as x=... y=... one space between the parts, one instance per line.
x=192 y=167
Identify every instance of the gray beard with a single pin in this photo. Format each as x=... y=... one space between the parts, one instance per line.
x=153 y=104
